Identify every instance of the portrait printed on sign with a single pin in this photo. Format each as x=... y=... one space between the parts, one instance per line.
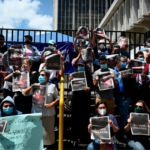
x=111 y=59
x=100 y=33
x=87 y=55
x=3 y=74
x=15 y=56
x=20 y=81
x=139 y=123
x=125 y=73
x=83 y=33
x=123 y=41
x=105 y=82
x=100 y=128
x=39 y=95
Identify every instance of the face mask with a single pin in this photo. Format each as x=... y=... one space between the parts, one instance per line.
x=27 y=42
x=138 y=110
x=148 y=44
x=8 y=111
x=104 y=66
x=102 y=111
x=102 y=46
x=141 y=59
x=81 y=68
x=123 y=64
x=41 y=79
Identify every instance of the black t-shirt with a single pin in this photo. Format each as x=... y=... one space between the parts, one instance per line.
x=3 y=49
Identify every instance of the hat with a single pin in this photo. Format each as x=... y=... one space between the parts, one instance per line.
x=148 y=40
x=29 y=36
x=81 y=62
x=52 y=42
x=101 y=41
x=47 y=53
x=82 y=41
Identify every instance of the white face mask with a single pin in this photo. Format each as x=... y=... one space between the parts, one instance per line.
x=102 y=46
x=148 y=44
x=102 y=111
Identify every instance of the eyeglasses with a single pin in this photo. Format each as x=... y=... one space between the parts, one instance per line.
x=42 y=75
x=138 y=106
x=101 y=107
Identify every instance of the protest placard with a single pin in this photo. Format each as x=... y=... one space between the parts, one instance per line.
x=83 y=33
x=100 y=128
x=87 y=55
x=111 y=60
x=139 y=123
x=50 y=48
x=3 y=125
x=20 y=81
x=15 y=56
x=105 y=81
x=53 y=62
x=78 y=82
x=39 y=95
x=100 y=33
x=137 y=63
x=123 y=41
x=145 y=51
x=125 y=73
x=23 y=132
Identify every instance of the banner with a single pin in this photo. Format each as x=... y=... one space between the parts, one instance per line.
x=100 y=128
x=23 y=132
x=139 y=123
x=39 y=95
x=78 y=82
x=3 y=125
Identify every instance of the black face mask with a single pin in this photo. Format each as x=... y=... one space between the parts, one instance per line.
x=27 y=42
x=116 y=52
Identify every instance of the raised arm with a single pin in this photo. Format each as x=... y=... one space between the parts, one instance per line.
x=75 y=42
x=93 y=41
x=111 y=45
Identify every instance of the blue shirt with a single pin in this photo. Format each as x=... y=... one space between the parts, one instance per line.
x=125 y=53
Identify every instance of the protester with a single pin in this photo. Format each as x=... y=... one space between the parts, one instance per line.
x=116 y=50
x=137 y=142
x=124 y=51
x=22 y=102
x=80 y=100
x=48 y=111
x=147 y=44
x=101 y=108
x=8 y=108
x=105 y=95
x=3 y=48
x=31 y=52
x=126 y=89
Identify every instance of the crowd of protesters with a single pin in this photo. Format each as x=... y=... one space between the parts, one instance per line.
x=132 y=90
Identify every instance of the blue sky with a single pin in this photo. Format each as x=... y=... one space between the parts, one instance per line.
x=28 y=14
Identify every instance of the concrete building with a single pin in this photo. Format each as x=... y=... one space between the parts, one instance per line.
x=70 y=14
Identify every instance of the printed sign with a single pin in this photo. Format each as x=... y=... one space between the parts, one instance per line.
x=100 y=128
x=139 y=123
x=83 y=33
x=100 y=33
x=111 y=60
x=87 y=55
x=125 y=73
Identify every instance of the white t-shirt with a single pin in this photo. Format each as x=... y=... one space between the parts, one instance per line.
x=52 y=72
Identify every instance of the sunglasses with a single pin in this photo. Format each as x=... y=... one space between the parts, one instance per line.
x=42 y=75
x=101 y=107
x=138 y=106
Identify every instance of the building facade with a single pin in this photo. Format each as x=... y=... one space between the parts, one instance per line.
x=70 y=14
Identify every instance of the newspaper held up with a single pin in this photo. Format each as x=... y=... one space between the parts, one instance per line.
x=100 y=128
x=53 y=62
x=123 y=41
x=87 y=55
x=83 y=33
x=39 y=95
x=50 y=48
x=145 y=51
x=111 y=60
x=15 y=56
x=125 y=73
x=79 y=81
x=139 y=124
x=20 y=81
x=100 y=33
x=3 y=125
x=105 y=81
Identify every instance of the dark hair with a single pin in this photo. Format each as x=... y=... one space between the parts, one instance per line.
x=139 y=53
x=47 y=73
x=146 y=108
x=1 y=35
x=119 y=58
x=135 y=55
x=28 y=36
x=117 y=46
x=102 y=58
x=101 y=102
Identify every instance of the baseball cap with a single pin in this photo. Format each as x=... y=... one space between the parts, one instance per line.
x=101 y=41
x=82 y=41
x=81 y=62
x=148 y=40
x=52 y=42
x=29 y=36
